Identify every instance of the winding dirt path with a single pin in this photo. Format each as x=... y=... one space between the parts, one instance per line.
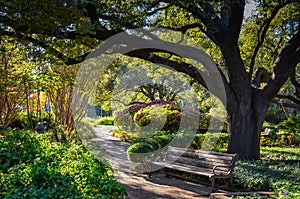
x=139 y=186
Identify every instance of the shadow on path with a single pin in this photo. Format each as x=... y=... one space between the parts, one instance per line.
x=138 y=186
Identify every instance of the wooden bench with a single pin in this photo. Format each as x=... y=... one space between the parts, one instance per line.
x=205 y=163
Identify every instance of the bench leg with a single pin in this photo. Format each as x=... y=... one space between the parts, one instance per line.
x=213 y=183
x=230 y=181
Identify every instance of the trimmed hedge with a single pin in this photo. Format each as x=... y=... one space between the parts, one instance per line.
x=138 y=152
x=106 y=121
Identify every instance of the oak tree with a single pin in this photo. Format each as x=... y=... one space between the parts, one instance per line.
x=250 y=85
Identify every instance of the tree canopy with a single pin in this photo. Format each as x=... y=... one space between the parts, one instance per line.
x=255 y=55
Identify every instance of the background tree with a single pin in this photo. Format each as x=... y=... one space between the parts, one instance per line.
x=249 y=92
x=14 y=80
x=272 y=34
x=59 y=91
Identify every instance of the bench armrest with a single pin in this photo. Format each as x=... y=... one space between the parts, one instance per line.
x=224 y=166
x=230 y=166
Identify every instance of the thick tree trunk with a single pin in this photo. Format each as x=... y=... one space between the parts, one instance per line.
x=244 y=135
x=245 y=125
x=246 y=108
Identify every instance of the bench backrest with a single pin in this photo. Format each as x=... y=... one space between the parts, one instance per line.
x=203 y=159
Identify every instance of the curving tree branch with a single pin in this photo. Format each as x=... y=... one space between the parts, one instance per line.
x=261 y=75
x=289 y=97
x=261 y=35
x=287 y=60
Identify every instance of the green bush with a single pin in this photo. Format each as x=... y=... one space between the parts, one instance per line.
x=269 y=126
x=273 y=174
x=123 y=135
x=292 y=124
x=106 y=121
x=19 y=147
x=140 y=151
x=22 y=121
x=163 y=139
x=286 y=133
x=204 y=123
x=212 y=140
x=275 y=114
x=197 y=142
x=140 y=154
x=215 y=140
x=89 y=121
x=32 y=167
x=142 y=114
x=142 y=117
x=123 y=120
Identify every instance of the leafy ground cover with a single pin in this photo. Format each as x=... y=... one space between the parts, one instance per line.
x=33 y=167
x=278 y=171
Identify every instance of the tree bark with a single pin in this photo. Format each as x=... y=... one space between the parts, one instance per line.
x=247 y=115
x=245 y=125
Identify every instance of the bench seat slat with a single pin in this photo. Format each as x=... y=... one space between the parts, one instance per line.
x=199 y=162
x=184 y=168
x=200 y=154
x=195 y=162
x=209 y=160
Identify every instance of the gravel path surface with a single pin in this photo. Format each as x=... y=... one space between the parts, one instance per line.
x=139 y=186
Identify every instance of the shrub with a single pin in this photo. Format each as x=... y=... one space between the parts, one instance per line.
x=204 y=123
x=22 y=122
x=139 y=151
x=222 y=141
x=89 y=121
x=32 y=167
x=19 y=147
x=275 y=114
x=84 y=132
x=140 y=154
x=183 y=139
x=292 y=124
x=141 y=115
x=197 y=142
x=212 y=141
x=123 y=135
x=163 y=139
x=286 y=133
x=106 y=121
x=123 y=120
